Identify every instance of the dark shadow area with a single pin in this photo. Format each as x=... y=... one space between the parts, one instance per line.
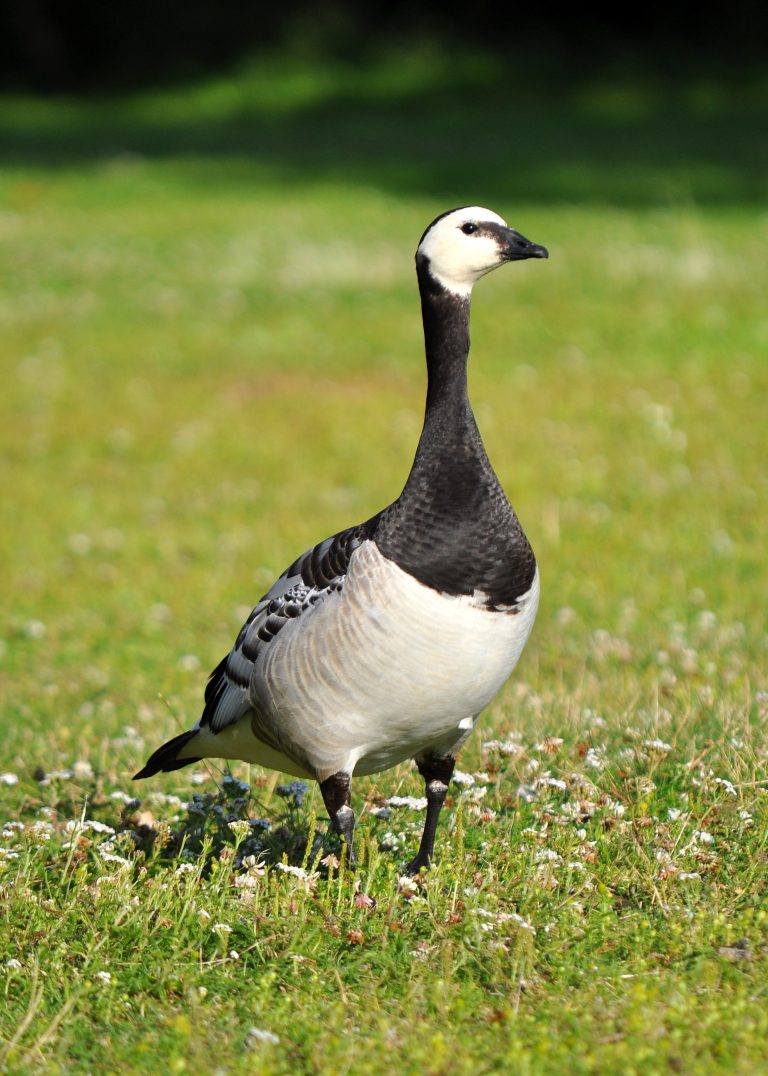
x=463 y=123
x=76 y=45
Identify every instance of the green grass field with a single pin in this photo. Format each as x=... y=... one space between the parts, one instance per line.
x=211 y=359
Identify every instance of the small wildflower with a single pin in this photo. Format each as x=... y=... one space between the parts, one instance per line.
x=40 y=832
x=504 y=747
x=185 y=868
x=380 y=812
x=123 y=797
x=407 y=886
x=550 y=745
x=727 y=785
x=293 y=793
x=550 y=782
x=657 y=745
x=233 y=784
x=233 y=954
x=703 y=837
x=689 y=876
x=255 y=1035
x=297 y=872
x=9 y=779
x=413 y=803
x=241 y=829
x=108 y=857
x=595 y=758
x=13 y=964
x=103 y=976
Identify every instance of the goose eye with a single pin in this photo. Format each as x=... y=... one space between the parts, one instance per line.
x=469 y=228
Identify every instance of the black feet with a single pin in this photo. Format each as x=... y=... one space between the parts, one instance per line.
x=437 y=771
x=336 y=791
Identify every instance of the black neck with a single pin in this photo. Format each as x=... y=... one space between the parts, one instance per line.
x=446 y=339
x=449 y=429
x=452 y=527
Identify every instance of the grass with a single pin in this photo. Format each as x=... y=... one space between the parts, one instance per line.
x=212 y=357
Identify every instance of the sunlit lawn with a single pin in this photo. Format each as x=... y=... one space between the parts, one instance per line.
x=212 y=358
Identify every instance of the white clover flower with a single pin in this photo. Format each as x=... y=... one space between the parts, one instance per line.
x=657 y=745
x=504 y=747
x=407 y=886
x=40 y=832
x=255 y=1034
x=98 y=827
x=703 y=837
x=727 y=785
x=120 y=796
x=464 y=780
x=413 y=803
x=674 y=814
x=103 y=976
x=550 y=782
x=688 y=876
x=185 y=868
x=547 y=855
x=222 y=929
x=595 y=758
x=297 y=872
x=109 y=857
x=233 y=954
x=9 y=779
x=13 y=964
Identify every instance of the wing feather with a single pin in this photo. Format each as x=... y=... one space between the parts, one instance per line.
x=318 y=572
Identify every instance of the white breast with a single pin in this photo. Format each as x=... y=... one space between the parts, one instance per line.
x=384 y=669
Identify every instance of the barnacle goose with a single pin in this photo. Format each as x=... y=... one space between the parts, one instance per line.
x=385 y=641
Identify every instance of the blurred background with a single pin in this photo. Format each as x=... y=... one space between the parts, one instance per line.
x=212 y=348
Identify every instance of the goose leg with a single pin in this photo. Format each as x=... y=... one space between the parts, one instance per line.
x=437 y=771
x=337 y=794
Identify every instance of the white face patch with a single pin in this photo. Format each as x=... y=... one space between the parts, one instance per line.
x=457 y=260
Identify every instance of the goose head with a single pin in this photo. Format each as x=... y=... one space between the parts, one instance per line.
x=464 y=244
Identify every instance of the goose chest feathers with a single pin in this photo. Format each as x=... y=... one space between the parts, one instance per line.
x=385 y=641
